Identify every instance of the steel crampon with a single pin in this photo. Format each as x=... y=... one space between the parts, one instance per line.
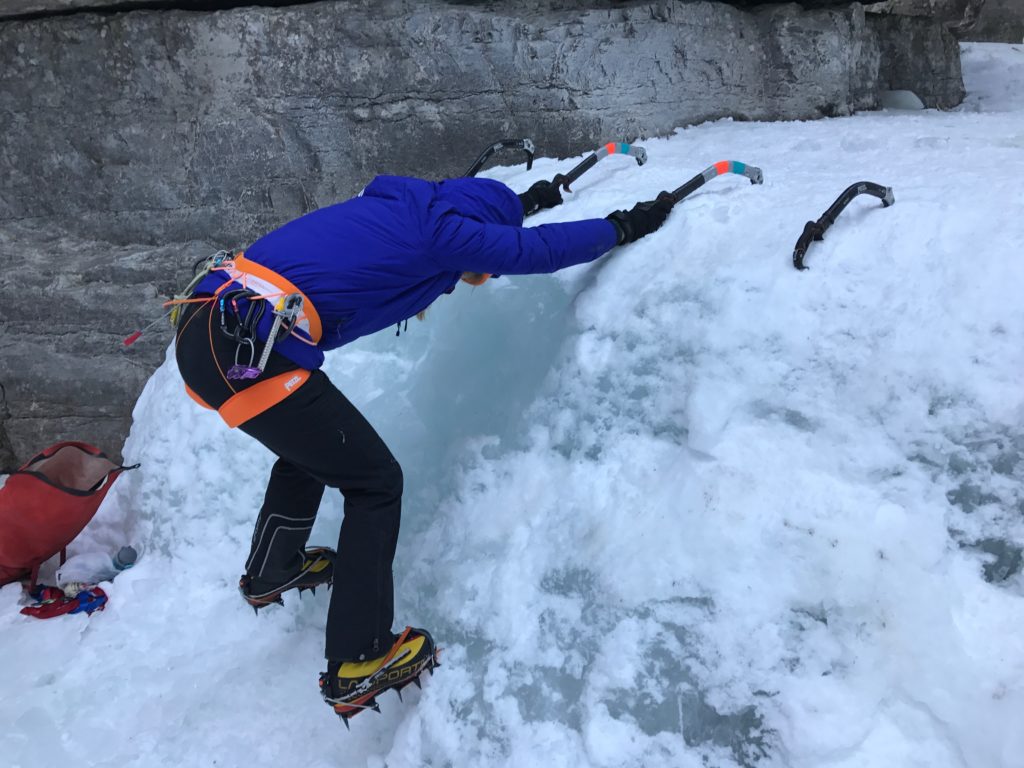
x=389 y=675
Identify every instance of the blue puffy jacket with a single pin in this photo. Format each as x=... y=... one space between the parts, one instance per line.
x=378 y=259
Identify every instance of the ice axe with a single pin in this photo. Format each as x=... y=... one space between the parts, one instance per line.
x=815 y=230
x=523 y=145
x=675 y=197
x=722 y=167
x=563 y=180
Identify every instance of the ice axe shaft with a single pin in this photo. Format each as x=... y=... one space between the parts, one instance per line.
x=725 y=166
x=523 y=145
x=564 y=180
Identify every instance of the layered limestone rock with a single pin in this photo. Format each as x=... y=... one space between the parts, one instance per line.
x=157 y=126
x=39 y=8
x=123 y=135
x=908 y=45
x=66 y=304
x=1000 y=21
x=17 y=8
x=958 y=16
x=945 y=11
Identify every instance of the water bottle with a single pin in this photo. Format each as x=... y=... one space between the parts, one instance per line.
x=125 y=558
x=94 y=567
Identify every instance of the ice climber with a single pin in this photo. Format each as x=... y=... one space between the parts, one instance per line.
x=317 y=283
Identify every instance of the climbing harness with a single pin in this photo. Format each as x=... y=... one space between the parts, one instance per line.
x=240 y=304
x=287 y=310
x=256 y=399
x=180 y=299
x=286 y=313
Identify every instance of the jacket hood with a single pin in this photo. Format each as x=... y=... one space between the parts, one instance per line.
x=497 y=205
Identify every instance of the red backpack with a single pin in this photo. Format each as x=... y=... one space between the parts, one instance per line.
x=47 y=503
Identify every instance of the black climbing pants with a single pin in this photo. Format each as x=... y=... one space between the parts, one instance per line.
x=320 y=440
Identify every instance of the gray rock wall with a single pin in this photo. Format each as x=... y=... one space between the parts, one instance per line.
x=1000 y=21
x=958 y=16
x=19 y=8
x=905 y=42
x=945 y=11
x=66 y=304
x=131 y=143
x=15 y=8
x=156 y=126
x=983 y=20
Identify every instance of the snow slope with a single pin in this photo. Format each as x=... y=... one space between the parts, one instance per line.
x=682 y=507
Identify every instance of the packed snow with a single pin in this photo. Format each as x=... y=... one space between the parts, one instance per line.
x=685 y=506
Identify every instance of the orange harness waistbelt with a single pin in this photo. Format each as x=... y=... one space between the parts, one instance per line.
x=263 y=395
x=270 y=284
x=254 y=400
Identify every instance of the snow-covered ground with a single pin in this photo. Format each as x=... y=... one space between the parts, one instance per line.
x=682 y=507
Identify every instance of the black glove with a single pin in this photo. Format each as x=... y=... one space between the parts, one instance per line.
x=541 y=195
x=642 y=220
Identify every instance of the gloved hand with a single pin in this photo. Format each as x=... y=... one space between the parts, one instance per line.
x=643 y=219
x=541 y=195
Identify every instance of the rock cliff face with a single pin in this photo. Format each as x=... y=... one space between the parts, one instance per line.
x=40 y=8
x=907 y=41
x=984 y=20
x=66 y=303
x=18 y=8
x=1000 y=21
x=132 y=143
x=157 y=126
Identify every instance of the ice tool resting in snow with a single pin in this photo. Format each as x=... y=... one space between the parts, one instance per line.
x=815 y=230
x=47 y=503
x=353 y=686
